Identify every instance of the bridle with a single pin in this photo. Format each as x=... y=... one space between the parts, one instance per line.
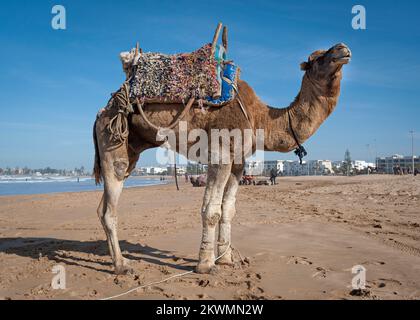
x=300 y=150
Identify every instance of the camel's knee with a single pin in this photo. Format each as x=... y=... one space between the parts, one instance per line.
x=211 y=214
x=120 y=168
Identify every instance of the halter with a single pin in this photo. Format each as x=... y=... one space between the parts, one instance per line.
x=300 y=150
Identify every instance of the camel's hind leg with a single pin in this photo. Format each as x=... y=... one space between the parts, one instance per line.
x=217 y=177
x=228 y=212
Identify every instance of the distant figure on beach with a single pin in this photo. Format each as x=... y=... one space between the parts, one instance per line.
x=273 y=176
x=398 y=171
x=416 y=171
x=199 y=181
x=186 y=178
x=78 y=179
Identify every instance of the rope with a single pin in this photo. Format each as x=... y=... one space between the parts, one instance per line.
x=166 y=279
x=181 y=116
x=118 y=125
x=300 y=150
x=239 y=96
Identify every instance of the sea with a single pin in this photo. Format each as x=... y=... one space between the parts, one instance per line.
x=27 y=185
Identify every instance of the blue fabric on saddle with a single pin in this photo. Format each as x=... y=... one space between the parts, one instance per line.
x=227 y=75
x=231 y=72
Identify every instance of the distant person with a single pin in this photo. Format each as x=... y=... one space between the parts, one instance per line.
x=416 y=171
x=186 y=177
x=273 y=176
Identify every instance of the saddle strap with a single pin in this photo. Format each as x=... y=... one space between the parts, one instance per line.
x=171 y=126
x=239 y=97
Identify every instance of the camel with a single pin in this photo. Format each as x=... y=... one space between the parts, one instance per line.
x=284 y=130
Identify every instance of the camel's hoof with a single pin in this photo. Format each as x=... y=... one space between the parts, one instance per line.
x=206 y=268
x=124 y=270
x=225 y=262
x=126 y=262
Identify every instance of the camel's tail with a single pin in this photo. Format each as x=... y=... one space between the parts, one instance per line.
x=97 y=165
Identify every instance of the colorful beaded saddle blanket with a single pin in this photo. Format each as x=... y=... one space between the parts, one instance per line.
x=205 y=76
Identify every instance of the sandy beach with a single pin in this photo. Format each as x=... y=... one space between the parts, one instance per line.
x=297 y=240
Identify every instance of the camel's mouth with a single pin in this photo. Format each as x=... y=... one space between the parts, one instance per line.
x=344 y=60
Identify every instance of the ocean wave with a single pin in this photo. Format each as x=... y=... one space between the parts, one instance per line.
x=41 y=179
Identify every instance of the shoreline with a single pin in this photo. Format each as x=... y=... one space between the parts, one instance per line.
x=33 y=188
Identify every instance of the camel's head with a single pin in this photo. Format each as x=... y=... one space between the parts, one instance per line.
x=325 y=64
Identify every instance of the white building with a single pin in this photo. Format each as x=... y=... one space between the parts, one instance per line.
x=389 y=164
x=254 y=168
x=180 y=170
x=153 y=170
x=278 y=165
x=294 y=168
x=311 y=167
x=320 y=167
x=362 y=165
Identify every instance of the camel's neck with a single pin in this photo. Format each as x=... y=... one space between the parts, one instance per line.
x=309 y=110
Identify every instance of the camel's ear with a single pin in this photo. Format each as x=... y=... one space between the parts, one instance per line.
x=304 y=66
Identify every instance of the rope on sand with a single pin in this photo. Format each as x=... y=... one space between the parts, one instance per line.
x=164 y=280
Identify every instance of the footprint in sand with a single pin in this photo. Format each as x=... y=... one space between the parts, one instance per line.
x=374 y=262
x=298 y=260
x=382 y=283
x=320 y=273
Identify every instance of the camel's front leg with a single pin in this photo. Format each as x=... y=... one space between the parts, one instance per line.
x=228 y=212
x=114 y=170
x=217 y=177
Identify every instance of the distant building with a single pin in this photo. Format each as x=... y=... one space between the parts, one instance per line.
x=195 y=168
x=388 y=164
x=294 y=168
x=362 y=165
x=311 y=167
x=151 y=171
x=356 y=165
x=269 y=165
x=254 y=168
x=320 y=167
x=180 y=170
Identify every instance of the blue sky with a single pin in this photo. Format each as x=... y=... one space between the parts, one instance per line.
x=52 y=83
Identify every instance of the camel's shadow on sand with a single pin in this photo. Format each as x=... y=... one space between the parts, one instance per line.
x=68 y=252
